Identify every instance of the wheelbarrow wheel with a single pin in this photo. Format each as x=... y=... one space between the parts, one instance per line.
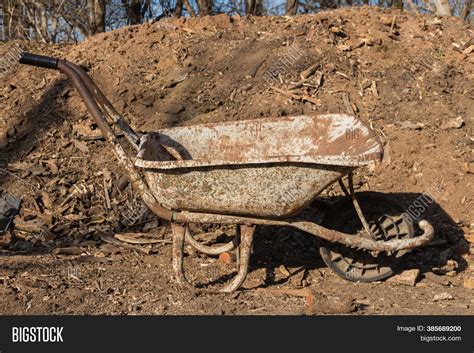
x=385 y=218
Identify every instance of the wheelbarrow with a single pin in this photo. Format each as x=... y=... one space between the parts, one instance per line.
x=259 y=172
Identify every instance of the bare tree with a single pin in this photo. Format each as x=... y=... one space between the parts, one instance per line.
x=291 y=7
x=52 y=21
x=204 y=7
x=178 y=9
x=87 y=16
x=466 y=11
x=96 y=9
x=133 y=9
x=11 y=15
x=254 y=7
x=189 y=8
x=137 y=9
x=442 y=7
x=397 y=4
x=30 y=19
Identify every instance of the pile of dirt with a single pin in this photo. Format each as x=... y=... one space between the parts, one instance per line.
x=411 y=77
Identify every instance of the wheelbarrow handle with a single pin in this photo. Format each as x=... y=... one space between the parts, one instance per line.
x=87 y=88
x=39 y=60
x=98 y=106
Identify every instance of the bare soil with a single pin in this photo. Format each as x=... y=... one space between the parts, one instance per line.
x=409 y=76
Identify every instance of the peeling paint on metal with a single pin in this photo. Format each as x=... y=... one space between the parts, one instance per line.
x=305 y=139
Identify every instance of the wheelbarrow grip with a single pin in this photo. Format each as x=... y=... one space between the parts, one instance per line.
x=39 y=60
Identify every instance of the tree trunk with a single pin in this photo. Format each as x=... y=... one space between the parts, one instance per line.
x=442 y=7
x=205 y=7
x=95 y=16
x=291 y=7
x=330 y=4
x=90 y=17
x=466 y=11
x=248 y=6
x=398 y=4
x=2 y=29
x=99 y=11
x=54 y=28
x=134 y=11
x=10 y=18
x=254 y=7
x=189 y=8
x=178 y=9
x=43 y=22
x=33 y=21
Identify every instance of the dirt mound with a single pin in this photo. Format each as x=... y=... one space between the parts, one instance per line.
x=409 y=76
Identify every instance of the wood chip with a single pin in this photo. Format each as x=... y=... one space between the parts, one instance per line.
x=343 y=75
x=310 y=99
x=347 y=103
x=46 y=199
x=75 y=217
x=468 y=50
x=68 y=251
x=287 y=94
x=297 y=277
x=53 y=167
x=80 y=146
x=373 y=88
x=469 y=237
x=139 y=238
x=5 y=239
x=344 y=47
x=106 y=193
x=468 y=283
x=84 y=131
x=392 y=25
x=284 y=271
x=302 y=98
x=336 y=30
x=113 y=241
x=310 y=71
x=468 y=167
x=46 y=217
x=33 y=226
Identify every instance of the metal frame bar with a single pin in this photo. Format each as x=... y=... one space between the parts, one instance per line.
x=358 y=209
x=210 y=250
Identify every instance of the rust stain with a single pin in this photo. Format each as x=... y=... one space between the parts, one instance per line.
x=333 y=139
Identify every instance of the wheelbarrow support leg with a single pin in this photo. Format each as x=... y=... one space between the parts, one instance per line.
x=178 y=254
x=245 y=248
x=246 y=239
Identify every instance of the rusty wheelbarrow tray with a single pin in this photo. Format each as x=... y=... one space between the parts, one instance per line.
x=247 y=173
x=267 y=167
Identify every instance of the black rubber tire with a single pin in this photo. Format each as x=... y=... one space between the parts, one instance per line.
x=343 y=217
